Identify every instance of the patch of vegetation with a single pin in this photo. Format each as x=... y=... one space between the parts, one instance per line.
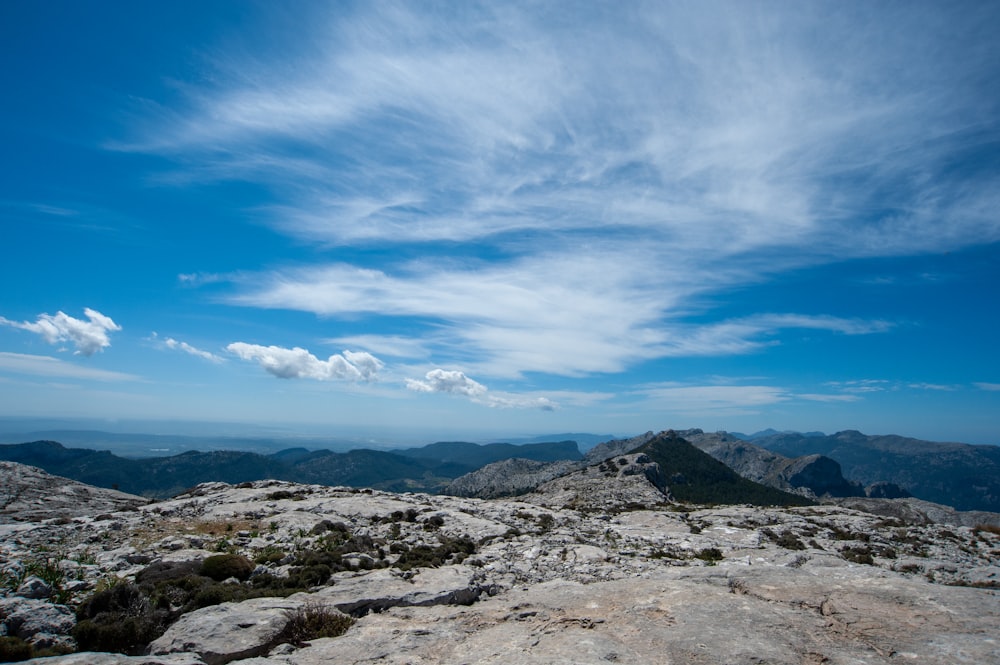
x=545 y=522
x=608 y=467
x=983 y=584
x=860 y=554
x=433 y=523
x=223 y=566
x=314 y=621
x=710 y=555
x=14 y=649
x=980 y=529
x=269 y=554
x=399 y=516
x=121 y=619
x=327 y=525
x=453 y=550
x=786 y=539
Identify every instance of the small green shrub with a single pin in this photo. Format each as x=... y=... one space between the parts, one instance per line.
x=786 y=539
x=223 y=566
x=314 y=621
x=14 y=649
x=269 y=554
x=860 y=554
x=121 y=619
x=709 y=555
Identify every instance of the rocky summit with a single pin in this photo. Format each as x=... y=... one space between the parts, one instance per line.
x=604 y=566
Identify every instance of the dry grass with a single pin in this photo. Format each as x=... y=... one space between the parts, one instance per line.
x=218 y=527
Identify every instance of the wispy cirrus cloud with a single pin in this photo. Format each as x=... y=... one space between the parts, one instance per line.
x=173 y=344
x=992 y=387
x=298 y=363
x=729 y=134
x=88 y=336
x=22 y=363
x=740 y=148
x=537 y=314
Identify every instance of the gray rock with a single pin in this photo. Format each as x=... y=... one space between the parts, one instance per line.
x=359 y=594
x=34 y=587
x=508 y=478
x=28 y=617
x=597 y=567
x=638 y=481
x=616 y=447
x=93 y=658
x=693 y=615
x=231 y=631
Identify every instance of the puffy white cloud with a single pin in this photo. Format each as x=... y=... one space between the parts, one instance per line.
x=457 y=383
x=88 y=336
x=447 y=381
x=298 y=363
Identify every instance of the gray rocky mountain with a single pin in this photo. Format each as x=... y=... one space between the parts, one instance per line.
x=29 y=494
x=958 y=474
x=810 y=475
x=599 y=568
x=508 y=478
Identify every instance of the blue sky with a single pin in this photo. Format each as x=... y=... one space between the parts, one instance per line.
x=468 y=220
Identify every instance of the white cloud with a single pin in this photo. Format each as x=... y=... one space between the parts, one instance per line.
x=447 y=381
x=862 y=385
x=987 y=386
x=737 y=150
x=296 y=363
x=386 y=345
x=932 y=386
x=455 y=382
x=174 y=344
x=729 y=135
x=88 y=336
x=821 y=397
x=703 y=400
x=48 y=366
x=538 y=314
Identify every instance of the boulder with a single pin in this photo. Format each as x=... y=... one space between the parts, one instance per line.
x=231 y=631
x=28 y=617
x=359 y=594
x=34 y=587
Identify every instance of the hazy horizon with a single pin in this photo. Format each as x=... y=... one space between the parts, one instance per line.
x=82 y=432
x=474 y=220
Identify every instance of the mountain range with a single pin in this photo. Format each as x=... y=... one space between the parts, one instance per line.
x=811 y=465
x=415 y=469
x=964 y=476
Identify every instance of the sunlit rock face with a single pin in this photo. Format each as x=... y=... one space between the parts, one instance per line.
x=599 y=566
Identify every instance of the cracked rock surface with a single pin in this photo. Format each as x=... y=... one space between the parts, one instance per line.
x=626 y=576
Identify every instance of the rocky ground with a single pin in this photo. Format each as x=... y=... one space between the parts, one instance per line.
x=614 y=573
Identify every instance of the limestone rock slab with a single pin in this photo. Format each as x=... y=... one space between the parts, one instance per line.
x=231 y=631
